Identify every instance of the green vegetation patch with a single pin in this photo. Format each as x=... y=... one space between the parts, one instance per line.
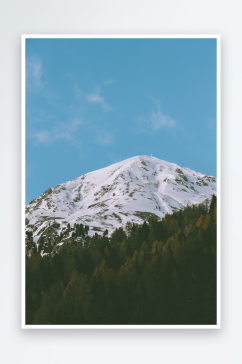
x=160 y=273
x=77 y=198
x=124 y=213
x=96 y=228
x=181 y=174
x=118 y=206
x=201 y=182
x=210 y=178
x=146 y=215
x=44 y=218
x=98 y=204
x=100 y=213
x=47 y=192
x=117 y=217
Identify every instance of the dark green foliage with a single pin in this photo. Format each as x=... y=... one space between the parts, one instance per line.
x=160 y=272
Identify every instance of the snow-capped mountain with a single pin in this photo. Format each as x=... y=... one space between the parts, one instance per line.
x=131 y=190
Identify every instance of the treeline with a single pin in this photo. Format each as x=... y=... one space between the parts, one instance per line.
x=161 y=272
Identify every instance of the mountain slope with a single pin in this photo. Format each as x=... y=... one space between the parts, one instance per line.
x=131 y=190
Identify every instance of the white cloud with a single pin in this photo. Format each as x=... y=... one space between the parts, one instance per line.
x=105 y=138
x=96 y=98
x=108 y=82
x=42 y=136
x=68 y=130
x=63 y=131
x=159 y=120
x=33 y=73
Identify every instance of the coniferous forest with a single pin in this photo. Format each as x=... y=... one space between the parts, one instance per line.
x=158 y=273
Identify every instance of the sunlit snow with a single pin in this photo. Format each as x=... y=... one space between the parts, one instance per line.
x=126 y=191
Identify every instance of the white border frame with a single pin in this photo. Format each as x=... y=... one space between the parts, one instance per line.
x=23 y=325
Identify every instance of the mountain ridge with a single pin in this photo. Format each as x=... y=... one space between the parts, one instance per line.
x=130 y=190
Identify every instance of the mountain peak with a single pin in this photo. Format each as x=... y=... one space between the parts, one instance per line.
x=131 y=190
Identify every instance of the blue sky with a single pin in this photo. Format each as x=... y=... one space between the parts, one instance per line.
x=94 y=102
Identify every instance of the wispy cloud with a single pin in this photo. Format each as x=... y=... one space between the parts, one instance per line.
x=63 y=131
x=96 y=98
x=156 y=120
x=44 y=132
x=108 y=82
x=105 y=138
x=33 y=72
x=159 y=120
x=67 y=131
x=42 y=136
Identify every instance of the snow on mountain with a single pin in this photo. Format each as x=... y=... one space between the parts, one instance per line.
x=131 y=190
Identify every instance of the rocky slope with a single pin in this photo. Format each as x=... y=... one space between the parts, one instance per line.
x=131 y=190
